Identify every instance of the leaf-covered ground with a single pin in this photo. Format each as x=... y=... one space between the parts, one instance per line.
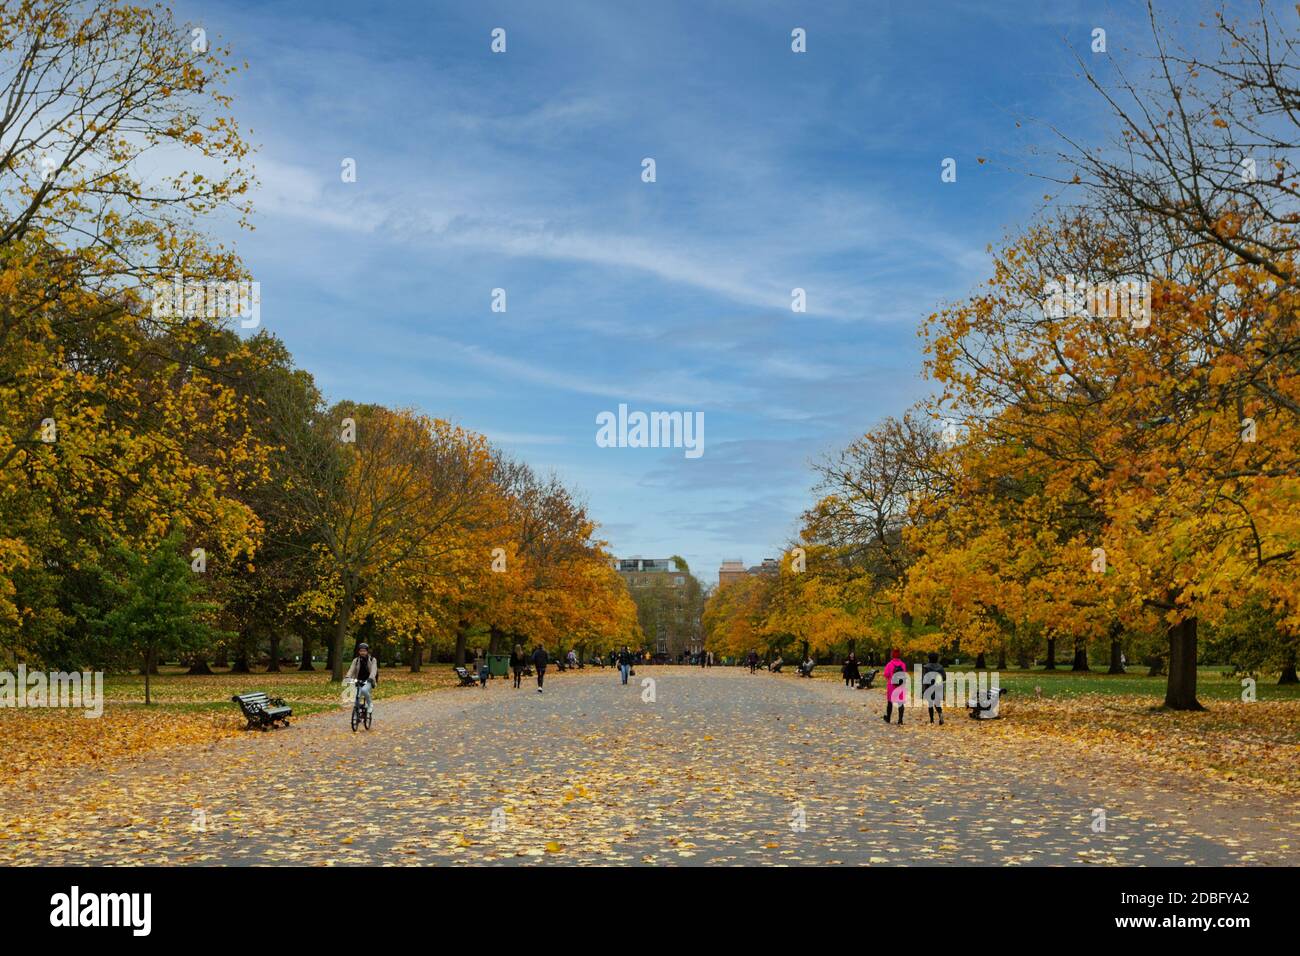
x=186 y=711
x=720 y=768
x=1231 y=745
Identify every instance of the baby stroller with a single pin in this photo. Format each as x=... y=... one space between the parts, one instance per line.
x=987 y=703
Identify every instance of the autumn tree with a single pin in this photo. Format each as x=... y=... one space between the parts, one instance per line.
x=107 y=424
x=381 y=492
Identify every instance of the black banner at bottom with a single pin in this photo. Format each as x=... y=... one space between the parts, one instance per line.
x=287 y=905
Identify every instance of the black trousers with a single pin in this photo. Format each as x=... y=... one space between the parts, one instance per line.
x=519 y=677
x=889 y=709
x=541 y=674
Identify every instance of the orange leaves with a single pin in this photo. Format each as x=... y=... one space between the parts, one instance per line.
x=1144 y=441
x=41 y=740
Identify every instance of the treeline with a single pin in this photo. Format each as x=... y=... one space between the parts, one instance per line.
x=1110 y=456
x=172 y=489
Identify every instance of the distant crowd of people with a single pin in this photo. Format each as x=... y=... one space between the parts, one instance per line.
x=895 y=673
x=983 y=704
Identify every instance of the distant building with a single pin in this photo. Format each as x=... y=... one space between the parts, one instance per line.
x=733 y=569
x=667 y=600
x=639 y=572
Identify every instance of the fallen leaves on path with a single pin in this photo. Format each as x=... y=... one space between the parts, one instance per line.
x=590 y=774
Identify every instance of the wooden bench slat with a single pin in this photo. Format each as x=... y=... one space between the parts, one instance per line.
x=260 y=709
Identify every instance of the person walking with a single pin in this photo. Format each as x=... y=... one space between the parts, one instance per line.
x=518 y=661
x=540 y=660
x=624 y=663
x=753 y=661
x=932 y=678
x=895 y=685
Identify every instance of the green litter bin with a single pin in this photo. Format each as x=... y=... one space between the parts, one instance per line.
x=498 y=664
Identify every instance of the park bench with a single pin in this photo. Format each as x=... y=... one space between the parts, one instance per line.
x=262 y=711
x=986 y=706
x=864 y=682
x=466 y=678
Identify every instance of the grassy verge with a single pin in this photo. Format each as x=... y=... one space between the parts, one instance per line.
x=1254 y=745
x=186 y=710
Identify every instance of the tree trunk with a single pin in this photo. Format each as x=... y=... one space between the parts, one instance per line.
x=853 y=644
x=148 y=670
x=1116 y=651
x=417 y=655
x=241 y=657
x=274 y=666
x=1080 y=657
x=1288 y=671
x=1022 y=658
x=1002 y=658
x=461 y=637
x=199 y=666
x=340 y=635
x=1180 y=692
x=306 y=664
x=1051 y=654
x=979 y=661
x=222 y=658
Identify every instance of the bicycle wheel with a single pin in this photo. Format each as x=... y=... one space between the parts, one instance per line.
x=369 y=718
x=356 y=716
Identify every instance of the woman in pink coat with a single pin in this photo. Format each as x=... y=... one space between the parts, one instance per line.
x=895 y=686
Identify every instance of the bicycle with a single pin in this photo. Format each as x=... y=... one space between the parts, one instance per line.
x=361 y=714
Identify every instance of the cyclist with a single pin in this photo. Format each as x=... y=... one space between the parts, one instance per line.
x=365 y=671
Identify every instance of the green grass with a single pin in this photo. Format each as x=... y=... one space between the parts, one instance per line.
x=1210 y=684
x=1063 y=682
x=307 y=692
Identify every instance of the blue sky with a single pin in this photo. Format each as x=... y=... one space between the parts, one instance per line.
x=522 y=171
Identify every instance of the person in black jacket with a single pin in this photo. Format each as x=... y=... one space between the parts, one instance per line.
x=850 y=670
x=624 y=662
x=932 y=677
x=540 y=660
x=517 y=664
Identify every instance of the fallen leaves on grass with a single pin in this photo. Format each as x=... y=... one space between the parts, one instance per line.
x=52 y=741
x=1253 y=745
